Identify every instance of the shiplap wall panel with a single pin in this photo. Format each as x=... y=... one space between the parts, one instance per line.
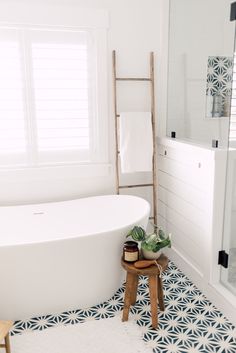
x=195 y=174
x=196 y=233
x=186 y=209
x=184 y=245
x=185 y=200
x=185 y=191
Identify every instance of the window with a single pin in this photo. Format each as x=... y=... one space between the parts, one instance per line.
x=48 y=97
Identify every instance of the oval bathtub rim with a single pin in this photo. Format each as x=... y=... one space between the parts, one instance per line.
x=73 y=237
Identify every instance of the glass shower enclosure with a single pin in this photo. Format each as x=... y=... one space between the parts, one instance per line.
x=228 y=254
x=202 y=99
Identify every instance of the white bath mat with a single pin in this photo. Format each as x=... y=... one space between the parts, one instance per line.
x=96 y=336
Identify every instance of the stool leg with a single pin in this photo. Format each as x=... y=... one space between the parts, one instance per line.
x=130 y=278
x=153 y=299
x=7 y=344
x=160 y=293
x=134 y=290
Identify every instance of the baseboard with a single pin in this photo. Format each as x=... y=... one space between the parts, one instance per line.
x=215 y=293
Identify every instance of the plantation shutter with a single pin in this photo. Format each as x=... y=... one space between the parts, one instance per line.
x=63 y=106
x=47 y=96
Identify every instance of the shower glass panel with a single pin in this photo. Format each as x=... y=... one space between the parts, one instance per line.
x=201 y=79
x=228 y=273
x=201 y=42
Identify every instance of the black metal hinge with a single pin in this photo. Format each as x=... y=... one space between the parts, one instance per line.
x=223 y=258
x=233 y=12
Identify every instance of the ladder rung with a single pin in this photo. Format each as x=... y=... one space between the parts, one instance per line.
x=133 y=79
x=134 y=186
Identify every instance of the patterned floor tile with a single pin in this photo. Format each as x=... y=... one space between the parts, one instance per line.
x=189 y=324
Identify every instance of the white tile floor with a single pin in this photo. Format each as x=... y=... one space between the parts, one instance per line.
x=189 y=324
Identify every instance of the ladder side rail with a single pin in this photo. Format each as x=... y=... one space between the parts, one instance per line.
x=154 y=157
x=116 y=121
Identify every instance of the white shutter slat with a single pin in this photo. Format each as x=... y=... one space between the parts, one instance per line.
x=65 y=83
x=61 y=133
x=57 y=74
x=11 y=124
x=54 y=53
x=61 y=143
x=80 y=115
x=11 y=94
x=49 y=64
x=61 y=105
x=61 y=93
x=63 y=124
x=8 y=134
x=11 y=105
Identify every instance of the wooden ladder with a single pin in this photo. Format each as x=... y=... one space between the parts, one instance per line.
x=154 y=164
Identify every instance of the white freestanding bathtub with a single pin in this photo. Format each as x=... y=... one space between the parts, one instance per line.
x=64 y=255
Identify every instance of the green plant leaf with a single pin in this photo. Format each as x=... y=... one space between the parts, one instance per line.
x=137 y=233
x=155 y=245
x=164 y=243
x=146 y=246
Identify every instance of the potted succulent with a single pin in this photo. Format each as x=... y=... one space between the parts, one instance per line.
x=151 y=244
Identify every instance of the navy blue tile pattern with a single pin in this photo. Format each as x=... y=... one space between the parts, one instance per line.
x=219 y=75
x=189 y=324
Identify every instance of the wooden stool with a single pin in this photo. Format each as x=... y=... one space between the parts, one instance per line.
x=155 y=287
x=5 y=327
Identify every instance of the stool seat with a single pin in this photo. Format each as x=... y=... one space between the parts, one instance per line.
x=155 y=286
x=5 y=327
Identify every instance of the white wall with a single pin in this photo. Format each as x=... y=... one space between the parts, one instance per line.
x=134 y=31
x=198 y=29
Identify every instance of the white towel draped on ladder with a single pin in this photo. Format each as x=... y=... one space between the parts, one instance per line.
x=136 y=145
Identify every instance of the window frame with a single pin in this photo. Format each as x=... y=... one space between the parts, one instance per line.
x=99 y=154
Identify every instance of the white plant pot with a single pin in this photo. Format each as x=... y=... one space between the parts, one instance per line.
x=151 y=255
